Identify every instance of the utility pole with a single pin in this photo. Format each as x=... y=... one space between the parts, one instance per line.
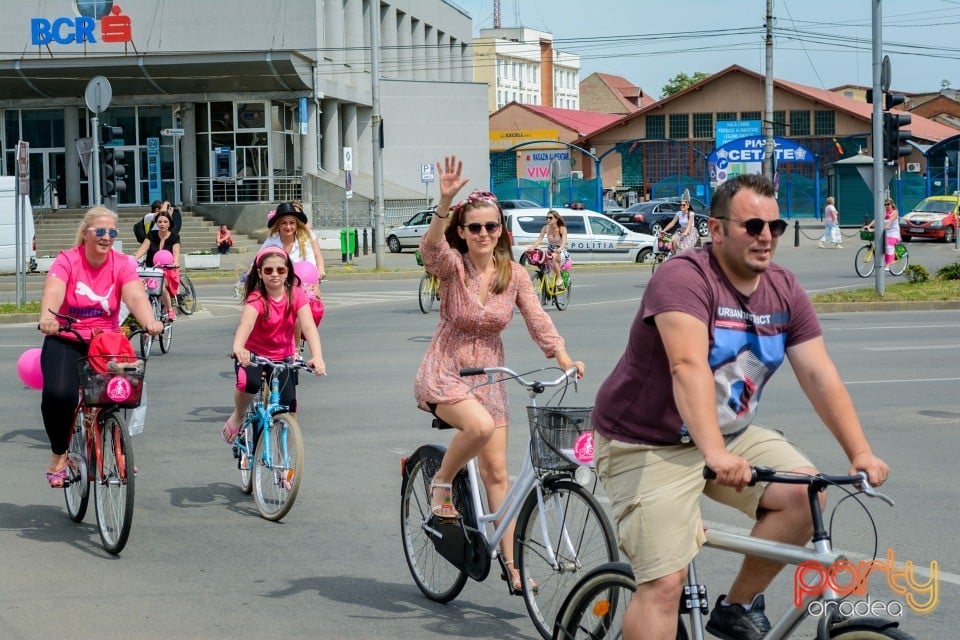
x=768 y=149
x=377 y=133
x=879 y=178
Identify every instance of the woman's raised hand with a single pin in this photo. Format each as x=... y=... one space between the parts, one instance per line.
x=450 y=181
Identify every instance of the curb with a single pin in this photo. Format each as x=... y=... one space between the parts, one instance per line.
x=926 y=305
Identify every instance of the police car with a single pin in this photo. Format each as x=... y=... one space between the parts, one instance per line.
x=591 y=236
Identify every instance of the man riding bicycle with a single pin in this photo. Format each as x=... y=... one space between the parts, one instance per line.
x=714 y=324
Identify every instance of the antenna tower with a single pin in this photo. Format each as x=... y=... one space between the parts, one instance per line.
x=496 y=14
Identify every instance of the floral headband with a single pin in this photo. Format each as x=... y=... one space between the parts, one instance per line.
x=477 y=196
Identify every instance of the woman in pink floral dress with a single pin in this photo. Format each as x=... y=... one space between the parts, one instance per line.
x=466 y=248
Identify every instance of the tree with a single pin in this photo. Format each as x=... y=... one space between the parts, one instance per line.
x=680 y=82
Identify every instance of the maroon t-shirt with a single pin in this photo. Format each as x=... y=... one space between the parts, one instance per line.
x=748 y=336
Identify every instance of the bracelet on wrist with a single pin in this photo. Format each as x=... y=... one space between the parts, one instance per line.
x=437 y=213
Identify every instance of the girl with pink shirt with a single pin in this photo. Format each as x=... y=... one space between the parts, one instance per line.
x=273 y=305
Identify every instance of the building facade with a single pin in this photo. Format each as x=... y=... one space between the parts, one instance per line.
x=521 y=65
x=237 y=101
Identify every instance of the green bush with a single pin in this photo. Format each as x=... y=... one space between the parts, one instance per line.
x=949 y=272
x=916 y=273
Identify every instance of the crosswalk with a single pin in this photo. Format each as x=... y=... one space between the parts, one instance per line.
x=330 y=300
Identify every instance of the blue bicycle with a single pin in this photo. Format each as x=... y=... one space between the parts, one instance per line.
x=269 y=447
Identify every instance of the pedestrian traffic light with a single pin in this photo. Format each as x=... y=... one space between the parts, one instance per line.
x=895 y=138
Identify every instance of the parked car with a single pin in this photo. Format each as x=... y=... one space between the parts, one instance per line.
x=934 y=217
x=407 y=235
x=591 y=236
x=518 y=204
x=651 y=217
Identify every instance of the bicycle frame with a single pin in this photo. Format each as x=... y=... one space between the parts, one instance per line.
x=787 y=554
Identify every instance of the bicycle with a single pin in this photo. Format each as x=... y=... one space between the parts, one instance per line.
x=545 y=279
x=665 y=250
x=594 y=608
x=100 y=452
x=152 y=278
x=186 y=294
x=269 y=446
x=864 y=260
x=428 y=291
x=240 y=285
x=562 y=531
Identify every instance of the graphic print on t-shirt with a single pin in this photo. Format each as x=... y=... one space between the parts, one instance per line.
x=742 y=360
x=83 y=289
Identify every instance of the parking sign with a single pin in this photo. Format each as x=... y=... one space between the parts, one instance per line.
x=426 y=173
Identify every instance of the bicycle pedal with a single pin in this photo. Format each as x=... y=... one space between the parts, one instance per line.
x=694 y=598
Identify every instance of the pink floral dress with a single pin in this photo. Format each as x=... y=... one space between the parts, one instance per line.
x=469 y=333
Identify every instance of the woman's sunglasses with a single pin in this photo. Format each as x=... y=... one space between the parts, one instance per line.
x=754 y=226
x=475 y=227
x=268 y=271
x=102 y=231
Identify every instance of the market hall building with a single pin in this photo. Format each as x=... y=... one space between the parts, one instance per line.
x=261 y=98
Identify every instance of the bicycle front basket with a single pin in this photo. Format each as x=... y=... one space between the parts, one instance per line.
x=553 y=435
x=121 y=386
x=152 y=280
x=866 y=235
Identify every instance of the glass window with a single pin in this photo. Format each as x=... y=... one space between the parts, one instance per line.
x=602 y=226
x=575 y=224
x=799 y=123
x=657 y=126
x=151 y=121
x=11 y=127
x=726 y=116
x=703 y=125
x=750 y=115
x=251 y=115
x=203 y=117
x=221 y=116
x=824 y=123
x=42 y=128
x=780 y=123
x=679 y=125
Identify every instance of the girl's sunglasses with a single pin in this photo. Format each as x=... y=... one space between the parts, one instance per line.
x=475 y=227
x=268 y=271
x=754 y=226
x=101 y=231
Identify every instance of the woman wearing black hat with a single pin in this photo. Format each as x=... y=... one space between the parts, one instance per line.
x=289 y=230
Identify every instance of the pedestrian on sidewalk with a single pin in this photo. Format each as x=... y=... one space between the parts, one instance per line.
x=831 y=226
x=224 y=241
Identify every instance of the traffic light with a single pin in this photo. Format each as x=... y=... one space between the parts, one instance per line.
x=113 y=169
x=895 y=138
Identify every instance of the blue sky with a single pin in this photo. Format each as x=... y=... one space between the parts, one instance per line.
x=820 y=43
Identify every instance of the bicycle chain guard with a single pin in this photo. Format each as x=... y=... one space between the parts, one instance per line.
x=460 y=545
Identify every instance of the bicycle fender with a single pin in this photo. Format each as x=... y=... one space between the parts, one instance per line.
x=856 y=624
x=621 y=568
x=423 y=452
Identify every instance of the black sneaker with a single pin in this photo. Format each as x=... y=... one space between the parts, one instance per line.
x=733 y=622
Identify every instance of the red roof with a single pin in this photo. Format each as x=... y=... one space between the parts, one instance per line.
x=583 y=122
x=922 y=128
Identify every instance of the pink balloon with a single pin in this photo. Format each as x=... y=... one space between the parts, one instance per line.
x=307 y=272
x=162 y=257
x=28 y=368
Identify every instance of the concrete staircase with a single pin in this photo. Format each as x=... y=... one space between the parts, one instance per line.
x=57 y=232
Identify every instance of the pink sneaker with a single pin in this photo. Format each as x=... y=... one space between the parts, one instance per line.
x=171 y=314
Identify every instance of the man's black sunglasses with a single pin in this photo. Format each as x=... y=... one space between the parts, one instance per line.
x=754 y=226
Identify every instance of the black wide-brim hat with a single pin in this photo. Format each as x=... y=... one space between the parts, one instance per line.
x=285 y=209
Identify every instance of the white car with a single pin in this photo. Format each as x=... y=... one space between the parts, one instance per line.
x=591 y=236
x=407 y=235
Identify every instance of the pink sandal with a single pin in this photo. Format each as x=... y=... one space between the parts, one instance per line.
x=57 y=479
x=228 y=433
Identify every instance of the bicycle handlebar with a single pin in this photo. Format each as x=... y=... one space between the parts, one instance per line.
x=70 y=321
x=290 y=363
x=568 y=376
x=820 y=480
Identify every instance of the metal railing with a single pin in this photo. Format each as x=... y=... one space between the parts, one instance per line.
x=244 y=190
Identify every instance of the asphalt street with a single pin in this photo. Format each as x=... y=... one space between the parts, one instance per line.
x=201 y=563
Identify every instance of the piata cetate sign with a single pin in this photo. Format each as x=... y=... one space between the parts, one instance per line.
x=115 y=26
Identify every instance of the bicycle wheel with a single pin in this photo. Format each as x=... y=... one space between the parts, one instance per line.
x=187 y=296
x=578 y=533
x=146 y=340
x=244 y=451
x=540 y=287
x=435 y=576
x=277 y=472
x=863 y=262
x=562 y=298
x=114 y=485
x=425 y=293
x=77 y=490
x=656 y=262
x=855 y=629
x=899 y=264
x=166 y=337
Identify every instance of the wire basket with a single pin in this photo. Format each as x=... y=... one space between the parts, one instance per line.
x=419 y=258
x=554 y=432
x=121 y=386
x=152 y=280
x=866 y=235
